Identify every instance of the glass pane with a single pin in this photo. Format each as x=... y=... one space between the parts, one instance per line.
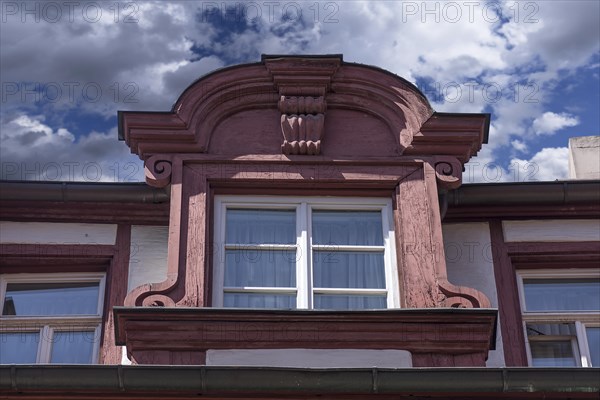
x=259 y=300
x=347 y=227
x=349 y=302
x=260 y=227
x=334 y=269
x=562 y=294
x=72 y=347
x=552 y=354
x=51 y=298
x=593 y=337
x=564 y=329
x=19 y=347
x=266 y=268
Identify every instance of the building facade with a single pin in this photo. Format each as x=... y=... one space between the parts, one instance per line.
x=303 y=232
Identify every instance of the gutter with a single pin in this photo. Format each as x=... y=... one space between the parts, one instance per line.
x=557 y=193
x=138 y=192
x=108 y=380
x=526 y=193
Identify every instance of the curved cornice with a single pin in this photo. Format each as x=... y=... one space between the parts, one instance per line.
x=189 y=126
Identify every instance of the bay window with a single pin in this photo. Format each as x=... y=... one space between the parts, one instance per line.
x=50 y=318
x=308 y=253
x=561 y=314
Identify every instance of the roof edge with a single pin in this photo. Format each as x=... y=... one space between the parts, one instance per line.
x=106 y=380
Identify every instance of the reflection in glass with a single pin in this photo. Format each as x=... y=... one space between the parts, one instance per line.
x=562 y=294
x=593 y=338
x=32 y=299
x=551 y=329
x=347 y=228
x=552 y=354
x=349 y=302
x=71 y=347
x=249 y=226
x=336 y=269
x=19 y=347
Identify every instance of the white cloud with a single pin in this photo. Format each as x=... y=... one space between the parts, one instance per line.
x=548 y=164
x=32 y=150
x=171 y=45
x=549 y=123
x=518 y=145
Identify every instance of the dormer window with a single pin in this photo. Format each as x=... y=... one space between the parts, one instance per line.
x=307 y=253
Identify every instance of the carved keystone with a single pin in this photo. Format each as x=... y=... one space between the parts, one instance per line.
x=302 y=123
x=302 y=85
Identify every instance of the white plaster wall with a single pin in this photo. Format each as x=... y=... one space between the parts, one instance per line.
x=469 y=262
x=148 y=257
x=551 y=230
x=311 y=358
x=124 y=359
x=584 y=157
x=57 y=233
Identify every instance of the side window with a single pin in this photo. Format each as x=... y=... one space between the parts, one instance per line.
x=321 y=253
x=50 y=318
x=561 y=314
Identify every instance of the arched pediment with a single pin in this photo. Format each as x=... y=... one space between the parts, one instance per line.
x=304 y=105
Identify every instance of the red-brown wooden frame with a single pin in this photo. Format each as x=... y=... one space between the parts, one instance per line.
x=509 y=257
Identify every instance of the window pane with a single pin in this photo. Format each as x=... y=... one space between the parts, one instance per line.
x=552 y=354
x=562 y=294
x=72 y=347
x=560 y=329
x=51 y=298
x=260 y=227
x=347 y=227
x=266 y=268
x=19 y=347
x=259 y=300
x=333 y=269
x=349 y=302
x=593 y=337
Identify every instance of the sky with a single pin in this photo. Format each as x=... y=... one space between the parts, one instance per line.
x=67 y=67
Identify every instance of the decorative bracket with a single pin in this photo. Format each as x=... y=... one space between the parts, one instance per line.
x=448 y=171
x=158 y=171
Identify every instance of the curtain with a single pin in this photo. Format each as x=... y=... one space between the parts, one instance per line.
x=270 y=267
x=333 y=268
x=249 y=226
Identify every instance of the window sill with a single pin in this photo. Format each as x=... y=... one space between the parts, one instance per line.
x=435 y=337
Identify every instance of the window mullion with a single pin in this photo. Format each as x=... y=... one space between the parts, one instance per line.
x=45 y=346
x=303 y=279
x=584 y=348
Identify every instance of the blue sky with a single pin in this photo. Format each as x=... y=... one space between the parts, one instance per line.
x=66 y=68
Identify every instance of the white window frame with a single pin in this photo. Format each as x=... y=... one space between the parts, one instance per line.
x=581 y=319
x=303 y=207
x=46 y=326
